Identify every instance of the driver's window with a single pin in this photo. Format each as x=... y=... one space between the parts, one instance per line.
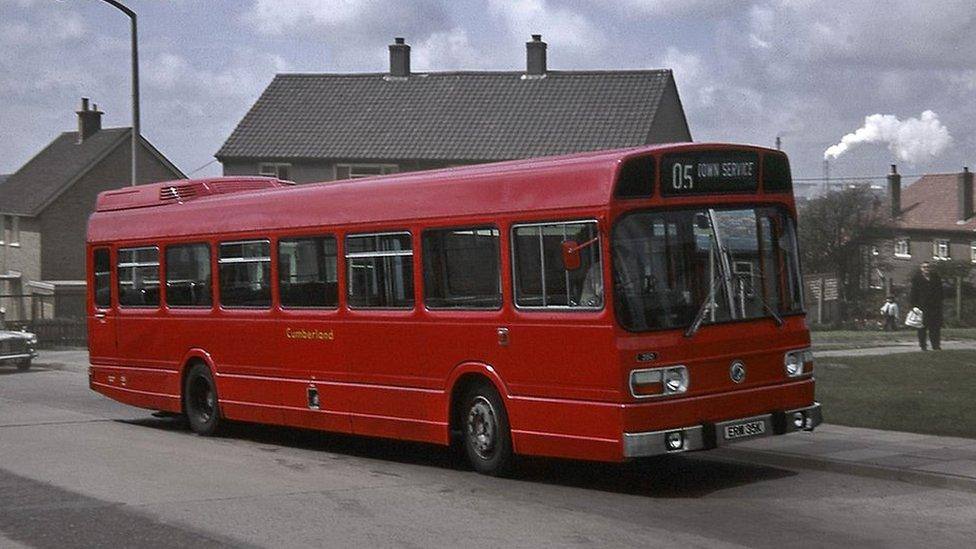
x=542 y=279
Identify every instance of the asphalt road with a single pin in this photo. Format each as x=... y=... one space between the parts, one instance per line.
x=78 y=470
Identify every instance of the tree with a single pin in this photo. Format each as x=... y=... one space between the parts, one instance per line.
x=834 y=227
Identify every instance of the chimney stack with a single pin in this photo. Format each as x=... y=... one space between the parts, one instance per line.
x=399 y=59
x=965 y=193
x=535 y=57
x=89 y=121
x=894 y=191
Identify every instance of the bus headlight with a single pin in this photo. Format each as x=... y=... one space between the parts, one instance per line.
x=659 y=381
x=798 y=363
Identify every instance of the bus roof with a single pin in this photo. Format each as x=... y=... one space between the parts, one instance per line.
x=240 y=204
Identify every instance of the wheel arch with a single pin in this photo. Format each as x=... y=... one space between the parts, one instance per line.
x=194 y=356
x=464 y=376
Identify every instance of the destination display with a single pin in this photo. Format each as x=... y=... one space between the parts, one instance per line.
x=709 y=172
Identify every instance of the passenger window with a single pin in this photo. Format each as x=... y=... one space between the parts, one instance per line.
x=103 y=278
x=307 y=275
x=188 y=279
x=540 y=277
x=138 y=270
x=245 y=273
x=461 y=269
x=380 y=270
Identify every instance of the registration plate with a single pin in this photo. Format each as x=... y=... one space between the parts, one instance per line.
x=746 y=429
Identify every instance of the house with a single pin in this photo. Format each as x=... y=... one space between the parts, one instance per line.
x=320 y=127
x=932 y=219
x=44 y=209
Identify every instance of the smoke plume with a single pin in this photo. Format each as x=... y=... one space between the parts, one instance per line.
x=913 y=140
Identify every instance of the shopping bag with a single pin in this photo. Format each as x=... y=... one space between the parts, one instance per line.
x=914 y=318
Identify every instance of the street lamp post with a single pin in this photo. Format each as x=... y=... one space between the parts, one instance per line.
x=135 y=86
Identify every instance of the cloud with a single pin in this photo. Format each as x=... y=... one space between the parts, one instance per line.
x=913 y=140
x=570 y=33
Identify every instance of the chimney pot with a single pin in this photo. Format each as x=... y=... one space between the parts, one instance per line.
x=89 y=121
x=399 y=58
x=894 y=191
x=535 y=57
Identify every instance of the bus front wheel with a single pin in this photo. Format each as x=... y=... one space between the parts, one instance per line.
x=200 y=401
x=487 y=437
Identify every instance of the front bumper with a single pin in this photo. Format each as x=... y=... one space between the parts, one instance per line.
x=711 y=435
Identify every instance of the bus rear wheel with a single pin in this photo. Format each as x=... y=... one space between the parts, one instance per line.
x=487 y=436
x=200 y=401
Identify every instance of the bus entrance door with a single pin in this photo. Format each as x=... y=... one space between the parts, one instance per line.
x=102 y=318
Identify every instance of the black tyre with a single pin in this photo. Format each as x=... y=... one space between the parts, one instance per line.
x=200 y=401
x=24 y=365
x=486 y=433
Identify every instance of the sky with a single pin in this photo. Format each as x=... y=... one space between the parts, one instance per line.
x=872 y=82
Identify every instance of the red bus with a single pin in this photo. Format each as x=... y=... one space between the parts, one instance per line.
x=598 y=306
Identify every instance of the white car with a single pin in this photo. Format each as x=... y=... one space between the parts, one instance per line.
x=18 y=347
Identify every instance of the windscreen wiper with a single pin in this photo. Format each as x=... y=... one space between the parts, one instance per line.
x=703 y=309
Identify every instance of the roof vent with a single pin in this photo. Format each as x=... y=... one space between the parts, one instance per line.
x=182 y=190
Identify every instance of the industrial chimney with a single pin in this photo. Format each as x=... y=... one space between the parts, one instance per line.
x=965 y=194
x=894 y=191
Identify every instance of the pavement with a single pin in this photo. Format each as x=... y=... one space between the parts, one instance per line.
x=924 y=460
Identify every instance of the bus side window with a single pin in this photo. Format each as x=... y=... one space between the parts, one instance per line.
x=103 y=278
x=461 y=269
x=139 y=276
x=540 y=277
x=380 y=270
x=188 y=278
x=307 y=275
x=245 y=273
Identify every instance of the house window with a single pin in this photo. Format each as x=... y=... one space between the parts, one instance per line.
x=940 y=249
x=358 y=171
x=972 y=252
x=275 y=169
x=902 y=249
x=3 y=229
x=875 y=251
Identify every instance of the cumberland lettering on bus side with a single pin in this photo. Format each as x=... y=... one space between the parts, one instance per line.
x=310 y=334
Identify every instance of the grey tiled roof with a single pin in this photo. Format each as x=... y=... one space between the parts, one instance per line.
x=448 y=116
x=43 y=177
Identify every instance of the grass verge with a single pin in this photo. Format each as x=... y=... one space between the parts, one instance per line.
x=932 y=393
x=855 y=339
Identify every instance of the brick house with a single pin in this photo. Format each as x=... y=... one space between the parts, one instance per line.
x=44 y=209
x=320 y=127
x=932 y=219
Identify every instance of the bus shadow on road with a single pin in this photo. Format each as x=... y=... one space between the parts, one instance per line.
x=674 y=476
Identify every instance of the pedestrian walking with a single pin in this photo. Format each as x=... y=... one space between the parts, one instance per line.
x=927 y=295
x=889 y=312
